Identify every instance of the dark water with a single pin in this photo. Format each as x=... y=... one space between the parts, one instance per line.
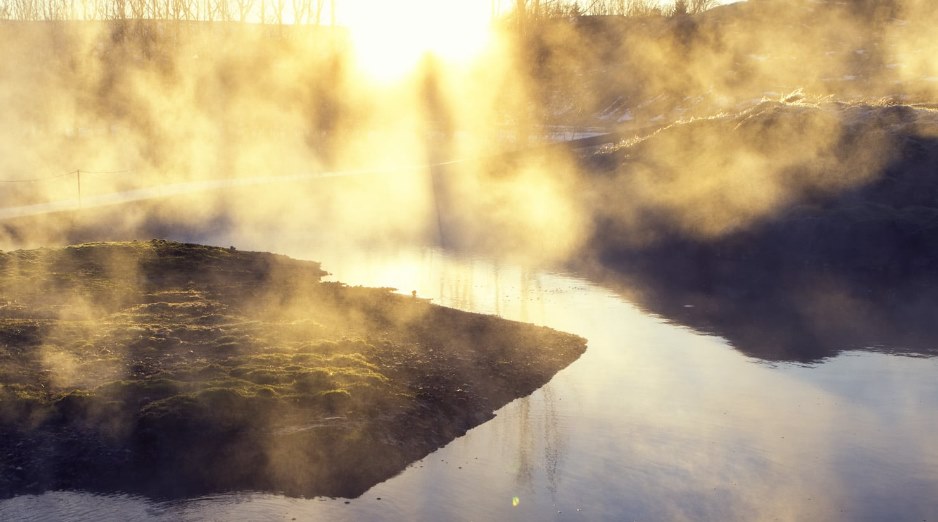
x=656 y=421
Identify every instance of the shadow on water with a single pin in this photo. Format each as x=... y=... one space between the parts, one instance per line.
x=845 y=270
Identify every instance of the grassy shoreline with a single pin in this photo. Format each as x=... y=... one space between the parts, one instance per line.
x=171 y=370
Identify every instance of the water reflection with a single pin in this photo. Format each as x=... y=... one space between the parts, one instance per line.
x=662 y=422
x=655 y=421
x=824 y=271
x=800 y=315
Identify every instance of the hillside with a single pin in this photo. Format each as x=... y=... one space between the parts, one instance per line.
x=796 y=230
x=615 y=71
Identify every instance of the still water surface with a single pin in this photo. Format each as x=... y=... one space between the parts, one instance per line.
x=654 y=422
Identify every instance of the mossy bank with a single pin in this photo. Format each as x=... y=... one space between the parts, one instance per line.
x=172 y=370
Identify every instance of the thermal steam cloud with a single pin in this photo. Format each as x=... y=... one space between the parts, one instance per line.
x=160 y=104
x=165 y=102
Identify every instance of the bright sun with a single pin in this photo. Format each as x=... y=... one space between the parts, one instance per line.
x=389 y=38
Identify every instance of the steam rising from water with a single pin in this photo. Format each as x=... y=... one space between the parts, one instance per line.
x=422 y=130
x=133 y=104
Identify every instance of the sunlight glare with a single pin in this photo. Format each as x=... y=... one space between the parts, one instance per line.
x=390 y=38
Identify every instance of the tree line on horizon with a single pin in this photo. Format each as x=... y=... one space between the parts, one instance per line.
x=297 y=12
x=323 y=12
x=311 y=12
x=630 y=8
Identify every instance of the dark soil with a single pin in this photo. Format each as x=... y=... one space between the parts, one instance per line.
x=174 y=370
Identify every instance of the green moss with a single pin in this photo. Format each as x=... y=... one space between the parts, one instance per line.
x=26 y=393
x=350 y=360
x=335 y=400
x=263 y=376
x=313 y=381
x=143 y=389
x=169 y=406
